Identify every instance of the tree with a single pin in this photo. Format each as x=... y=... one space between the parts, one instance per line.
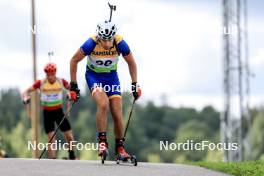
x=196 y=131
x=257 y=135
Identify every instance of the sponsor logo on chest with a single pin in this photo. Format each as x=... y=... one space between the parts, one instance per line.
x=104 y=53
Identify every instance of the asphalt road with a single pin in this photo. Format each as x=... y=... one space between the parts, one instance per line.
x=45 y=167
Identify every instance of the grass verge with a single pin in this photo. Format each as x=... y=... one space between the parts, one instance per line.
x=248 y=168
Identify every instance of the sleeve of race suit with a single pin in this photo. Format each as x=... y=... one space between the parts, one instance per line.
x=36 y=84
x=122 y=46
x=88 y=46
x=65 y=84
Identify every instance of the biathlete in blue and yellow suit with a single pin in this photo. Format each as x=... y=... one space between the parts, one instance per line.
x=102 y=51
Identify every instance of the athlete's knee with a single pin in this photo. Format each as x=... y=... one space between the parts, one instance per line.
x=96 y=90
x=103 y=105
x=68 y=135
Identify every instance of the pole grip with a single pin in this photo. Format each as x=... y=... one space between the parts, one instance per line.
x=112 y=8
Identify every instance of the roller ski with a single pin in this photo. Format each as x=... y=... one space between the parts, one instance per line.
x=121 y=154
x=103 y=151
x=123 y=157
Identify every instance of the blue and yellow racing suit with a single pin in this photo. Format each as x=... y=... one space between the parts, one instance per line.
x=101 y=69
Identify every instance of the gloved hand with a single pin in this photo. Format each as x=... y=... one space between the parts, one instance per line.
x=26 y=100
x=135 y=90
x=72 y=96
x=74 y=92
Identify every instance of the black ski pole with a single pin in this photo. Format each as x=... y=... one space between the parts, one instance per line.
x=112 y=8
x=130 y=115
x=64 y=117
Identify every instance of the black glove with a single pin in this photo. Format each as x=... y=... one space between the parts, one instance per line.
x=74 y=88
x=135 y=90
x=26 y=100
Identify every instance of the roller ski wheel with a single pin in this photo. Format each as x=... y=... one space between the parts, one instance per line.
x=131 y=159
x=104 y=156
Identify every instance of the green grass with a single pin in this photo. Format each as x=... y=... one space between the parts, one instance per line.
x=248 y=168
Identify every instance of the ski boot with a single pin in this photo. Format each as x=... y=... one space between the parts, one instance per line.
x=123 y=156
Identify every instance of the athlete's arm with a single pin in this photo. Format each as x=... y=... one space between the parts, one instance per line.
x=28 y=91
x=26 y=100
x=132 y=66
x=35 y=86
x=65 y=83
x=77 y=57
x=25 y=94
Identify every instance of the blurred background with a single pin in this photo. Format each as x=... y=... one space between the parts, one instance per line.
x=181 y=49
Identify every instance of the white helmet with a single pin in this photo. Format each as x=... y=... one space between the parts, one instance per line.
x=106 y=30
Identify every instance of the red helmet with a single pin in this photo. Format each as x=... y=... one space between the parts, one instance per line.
x=50 y=68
